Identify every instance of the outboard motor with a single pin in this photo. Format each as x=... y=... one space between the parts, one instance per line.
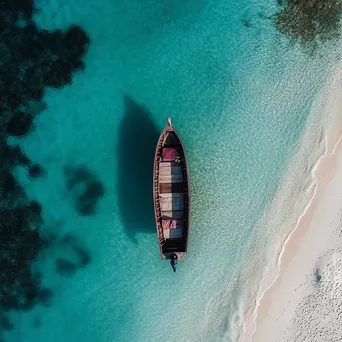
x=174 y=261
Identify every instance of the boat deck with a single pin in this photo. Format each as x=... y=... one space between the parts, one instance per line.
x=171 y=195
x=171 y=199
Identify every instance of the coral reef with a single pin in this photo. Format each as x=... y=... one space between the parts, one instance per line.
x=30 y=60
x=86 y=189
x=306 y=20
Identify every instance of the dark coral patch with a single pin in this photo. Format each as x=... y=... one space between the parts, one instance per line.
x=76 y=42
x=77 y=175
x=36 y=92
x=84 y=257
x=8 y=184
x=65 y=267
x=19 y=287
x=33 y=210
x=35 y=171
x=81 y=257
x=11 y=156
x=306 y=20
x=15 y=8
x=18 y=290
x=86 y=202
x=45 y=296
x=58 y=74
x=19 y=124
x=69 y=49
x=86 y=189
x=5 y=323
x=30 y=59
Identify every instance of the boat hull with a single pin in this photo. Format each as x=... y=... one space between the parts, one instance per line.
x=171 y=194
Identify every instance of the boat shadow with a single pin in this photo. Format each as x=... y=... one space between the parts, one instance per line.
x=138 y=136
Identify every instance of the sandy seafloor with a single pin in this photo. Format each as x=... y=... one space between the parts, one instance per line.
x=243 y=100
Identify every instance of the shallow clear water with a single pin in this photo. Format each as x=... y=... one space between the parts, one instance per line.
x=239 y=96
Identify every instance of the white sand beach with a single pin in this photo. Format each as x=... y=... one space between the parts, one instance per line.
x=304 y=303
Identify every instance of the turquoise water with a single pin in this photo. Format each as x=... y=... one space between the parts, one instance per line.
x=238 y=94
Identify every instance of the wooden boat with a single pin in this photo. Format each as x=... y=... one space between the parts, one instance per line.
x=171 y=193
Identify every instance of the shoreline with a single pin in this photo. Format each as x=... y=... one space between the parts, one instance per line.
x=291 y=252
x=266 y=308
